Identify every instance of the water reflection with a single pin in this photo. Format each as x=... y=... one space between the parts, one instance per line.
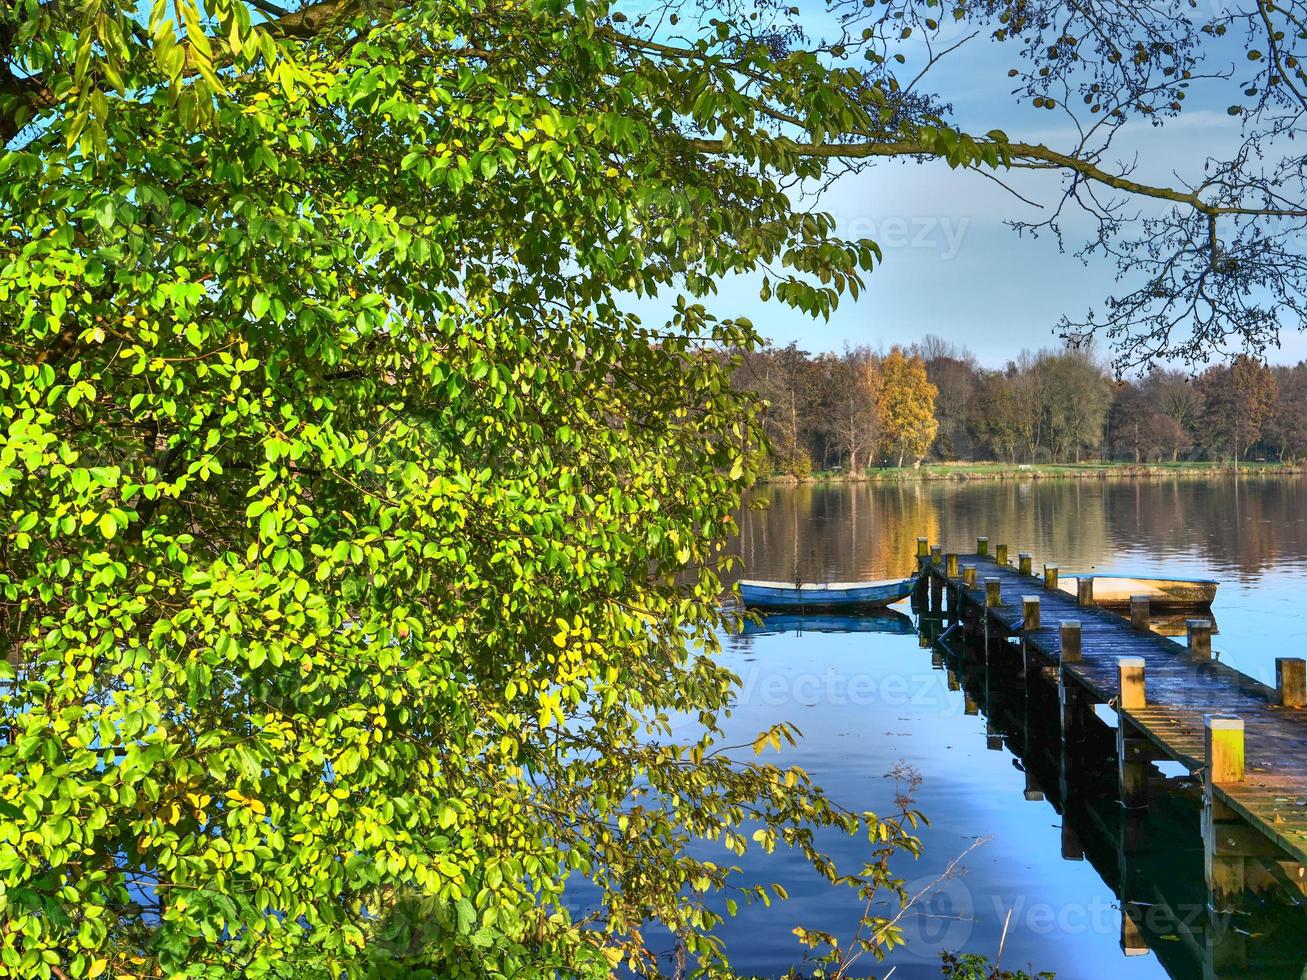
x=1249 y=533
x=1169 y=892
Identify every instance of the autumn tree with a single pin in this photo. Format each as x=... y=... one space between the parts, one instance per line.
x=1286 y=429
x=854 y=395
x=906 y=405
x=1137 y=427
x=1237 y=402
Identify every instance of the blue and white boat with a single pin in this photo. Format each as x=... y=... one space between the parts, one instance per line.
x=789 y=595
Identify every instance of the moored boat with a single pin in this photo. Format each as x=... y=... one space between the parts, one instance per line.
x=1162 y=593
x=758 y=594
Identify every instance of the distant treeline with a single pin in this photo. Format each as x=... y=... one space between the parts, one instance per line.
x=933 y=401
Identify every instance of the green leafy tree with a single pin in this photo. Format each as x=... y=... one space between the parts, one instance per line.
x=359 y=547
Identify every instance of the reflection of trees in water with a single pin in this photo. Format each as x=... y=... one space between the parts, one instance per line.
x=1242 y=524
x=864 y=530
x=833 y=531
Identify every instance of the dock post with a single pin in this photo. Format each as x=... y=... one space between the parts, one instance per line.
x=982 y=546
x=1070 y=642
x=936 y=554
x=1131 y=749
x=993 y=592
x=1131 y=672
x=923 y=548
x=1050 y=576
x=969 y=576
x=1025 y=563
x=1223 y=742
x=1000 y=554
x=1291 y=682
x=1139 y=617
x=1030 y=612
x=1085 y=591
x=1133 y=942
x=951 y=565
x=936 y=594
x=1200 y=638
x=1224 y=865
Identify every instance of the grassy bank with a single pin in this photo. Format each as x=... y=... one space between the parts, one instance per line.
x=1041 y=471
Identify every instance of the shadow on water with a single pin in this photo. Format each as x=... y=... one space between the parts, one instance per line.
x=1175 y=896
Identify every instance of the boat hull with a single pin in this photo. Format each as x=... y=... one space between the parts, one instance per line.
x=783 y=595
x=1162 y=593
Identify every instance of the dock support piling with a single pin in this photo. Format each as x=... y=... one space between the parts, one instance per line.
x=1025 y=563
x=923 y=548
x=951 y=565
x=1070 y=653
x=969 y=576
x=1131 y=672
x=1200 y=638
x=936 y=555
x=993 y=592
x=1085 y=591
x=1139 y=615
x=1000 y=554
x=1131 y=749
x=1050 y=576
x=1223 y=742
x=982 y=546
x=1030 y=612
x=1291 y=682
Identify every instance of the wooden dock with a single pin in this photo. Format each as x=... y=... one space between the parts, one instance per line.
x=1245 y=740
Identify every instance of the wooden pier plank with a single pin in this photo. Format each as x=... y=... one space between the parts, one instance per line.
x=1273 y=796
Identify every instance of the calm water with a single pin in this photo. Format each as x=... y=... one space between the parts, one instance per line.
x=1058 y=855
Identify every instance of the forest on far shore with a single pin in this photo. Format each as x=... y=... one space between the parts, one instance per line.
x=933 y=401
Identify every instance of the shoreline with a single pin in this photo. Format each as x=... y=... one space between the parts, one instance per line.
x=964 y=472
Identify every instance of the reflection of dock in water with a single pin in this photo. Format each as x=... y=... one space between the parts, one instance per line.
x=1211 y=868
x=1176 y=893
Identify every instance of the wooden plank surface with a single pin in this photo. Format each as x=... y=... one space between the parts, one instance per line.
x=1273 y=796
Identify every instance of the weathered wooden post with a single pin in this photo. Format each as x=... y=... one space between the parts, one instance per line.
x=1131 y=672
x=1030 y=612
x=1131 y=749
x=951 y=565
x=1050 y=576
x=1291 y=682
x=969 y=576
x=1024 y=563
x=923 y=547
x=1223 y=861
x=1200 y=638
x=936 y=554
x=936 y=593
x=1139 y=615
x=982 y=546
x=1070 y=641
x=1223 y=742
x=993 y=592
x=1000 y=554
x=1084 y=591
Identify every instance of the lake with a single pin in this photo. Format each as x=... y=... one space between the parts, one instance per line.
x=1058 y=859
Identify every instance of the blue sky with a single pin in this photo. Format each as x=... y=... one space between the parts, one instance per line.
x=951 y=267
